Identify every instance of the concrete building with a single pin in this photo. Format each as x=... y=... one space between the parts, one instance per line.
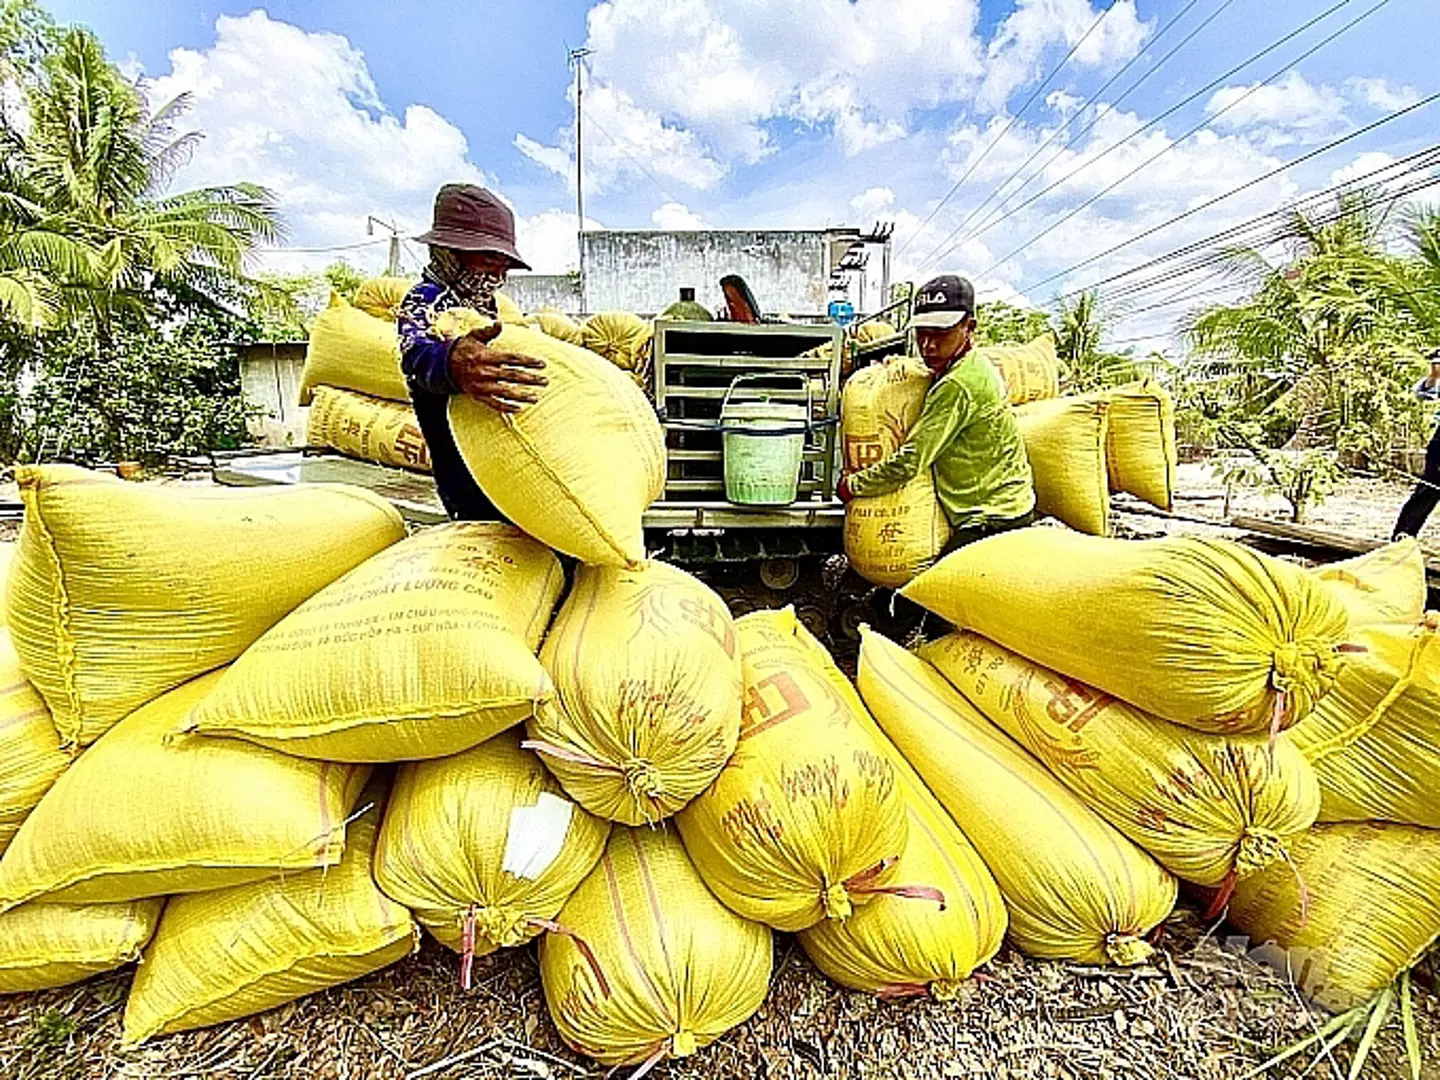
x=793 y=272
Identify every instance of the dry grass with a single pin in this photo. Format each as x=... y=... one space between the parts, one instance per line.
x=1204 y=1011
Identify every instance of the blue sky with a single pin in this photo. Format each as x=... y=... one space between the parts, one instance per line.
x=774 y=112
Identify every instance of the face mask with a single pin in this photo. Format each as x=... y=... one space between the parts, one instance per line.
x=474 y=287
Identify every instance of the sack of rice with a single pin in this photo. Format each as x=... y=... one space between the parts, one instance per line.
x=806 y=821
x=382 y=296
x=120 y=592
x=484 y=847
x=7 y=555
x=143 y=814
x=1065 y=441
x=508 y=311
x=1204 y=633
x=559 y=325
x=371 y=429
x=425 y=650
x=1207 y=807
x=899 y=945
x=30 y=756
x=889 y=538
x=874 y=330
x=354 y=351
x=1372 y=740
x=1076 y=889
x=1031 y=371
x=228 y=953
x=1358 y=905
x=647 y=677
x=1386 y=585
x=1141 y=446
x=652 y=966
x=48 y=945
x=619 y=337
x=576 y=469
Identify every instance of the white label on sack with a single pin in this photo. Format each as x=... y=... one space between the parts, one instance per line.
x=537 y=833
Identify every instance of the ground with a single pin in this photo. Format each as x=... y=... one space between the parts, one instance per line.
x=1205 y=1010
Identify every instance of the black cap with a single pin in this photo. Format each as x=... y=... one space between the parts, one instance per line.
x=943 y=302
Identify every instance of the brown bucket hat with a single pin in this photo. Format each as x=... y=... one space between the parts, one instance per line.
x=469 y=218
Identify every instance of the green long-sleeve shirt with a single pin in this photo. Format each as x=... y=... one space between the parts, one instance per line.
x=968 y=435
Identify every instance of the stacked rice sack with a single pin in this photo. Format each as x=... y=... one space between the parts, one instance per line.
x=1361 y=902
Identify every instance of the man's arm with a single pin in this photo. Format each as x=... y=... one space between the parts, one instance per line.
x=424 y=357
x=944 y=414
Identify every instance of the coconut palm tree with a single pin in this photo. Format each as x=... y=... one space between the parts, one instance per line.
x=1080 y=327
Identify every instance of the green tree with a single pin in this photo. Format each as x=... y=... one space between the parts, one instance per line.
x=1080 y=327
x=999 y=323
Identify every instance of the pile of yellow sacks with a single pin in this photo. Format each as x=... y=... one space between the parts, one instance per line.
x=358 y=401
x=1081 y=449
x=261 y=740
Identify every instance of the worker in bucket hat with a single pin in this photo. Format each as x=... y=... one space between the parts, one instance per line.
x=1423 y=500
x=472 y=249
x=965 y=435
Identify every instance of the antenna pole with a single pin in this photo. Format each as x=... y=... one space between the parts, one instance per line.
x=577 y=58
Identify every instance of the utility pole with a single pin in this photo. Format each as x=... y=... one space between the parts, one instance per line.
x=370 y=222
x=577 y=61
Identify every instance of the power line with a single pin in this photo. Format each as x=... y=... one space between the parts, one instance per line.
x=1424 y=102
x=1081 y=112
x=997 y=140
x=629 y=156
x=1190 y=99
x=1199 y=127
x=324 y=250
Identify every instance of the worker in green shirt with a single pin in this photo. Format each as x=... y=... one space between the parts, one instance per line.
x=965 y=432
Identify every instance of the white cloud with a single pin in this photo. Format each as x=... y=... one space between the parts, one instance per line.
x=673 y=216
x=1282 y=113
x=626 y=141
x=1015 y=54
x=1381 y=94
x=873 y=202
x=298 y=112
x=548 y=240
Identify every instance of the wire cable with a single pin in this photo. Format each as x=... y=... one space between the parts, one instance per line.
x=1188 y=100
x=1199 y=127
x=1081 y=112
x=999 y=138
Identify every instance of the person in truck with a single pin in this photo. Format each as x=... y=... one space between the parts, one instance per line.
x=472 y=249
x=965 y=434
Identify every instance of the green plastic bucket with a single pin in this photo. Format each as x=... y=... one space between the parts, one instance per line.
x=764 y=444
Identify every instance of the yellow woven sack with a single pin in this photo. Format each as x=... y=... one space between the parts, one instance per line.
x=371 y=429
x=143 y=814
x=1373 y=738
x=1386 y=585
x=426 y=650
x=123 y=591
x=1360 y=904
x=889 y=538
x=1204 y=633
x=1030 y=372
x=354 y=351
x=382 y=296
x=508 y=312
x=874 y=330
x=927 y=935
x=1141 y=447
x=559 y=325
x=619 y=337
x=806 y=821
x=48 y=945
x=30 y=754
x=1075 y=888
x=647 y=674
x=1205 y=806
x=228 y=953
x=1065 y=441
x=578 y=468
x=674 y=970
x=7 y=555
x=484 y=847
